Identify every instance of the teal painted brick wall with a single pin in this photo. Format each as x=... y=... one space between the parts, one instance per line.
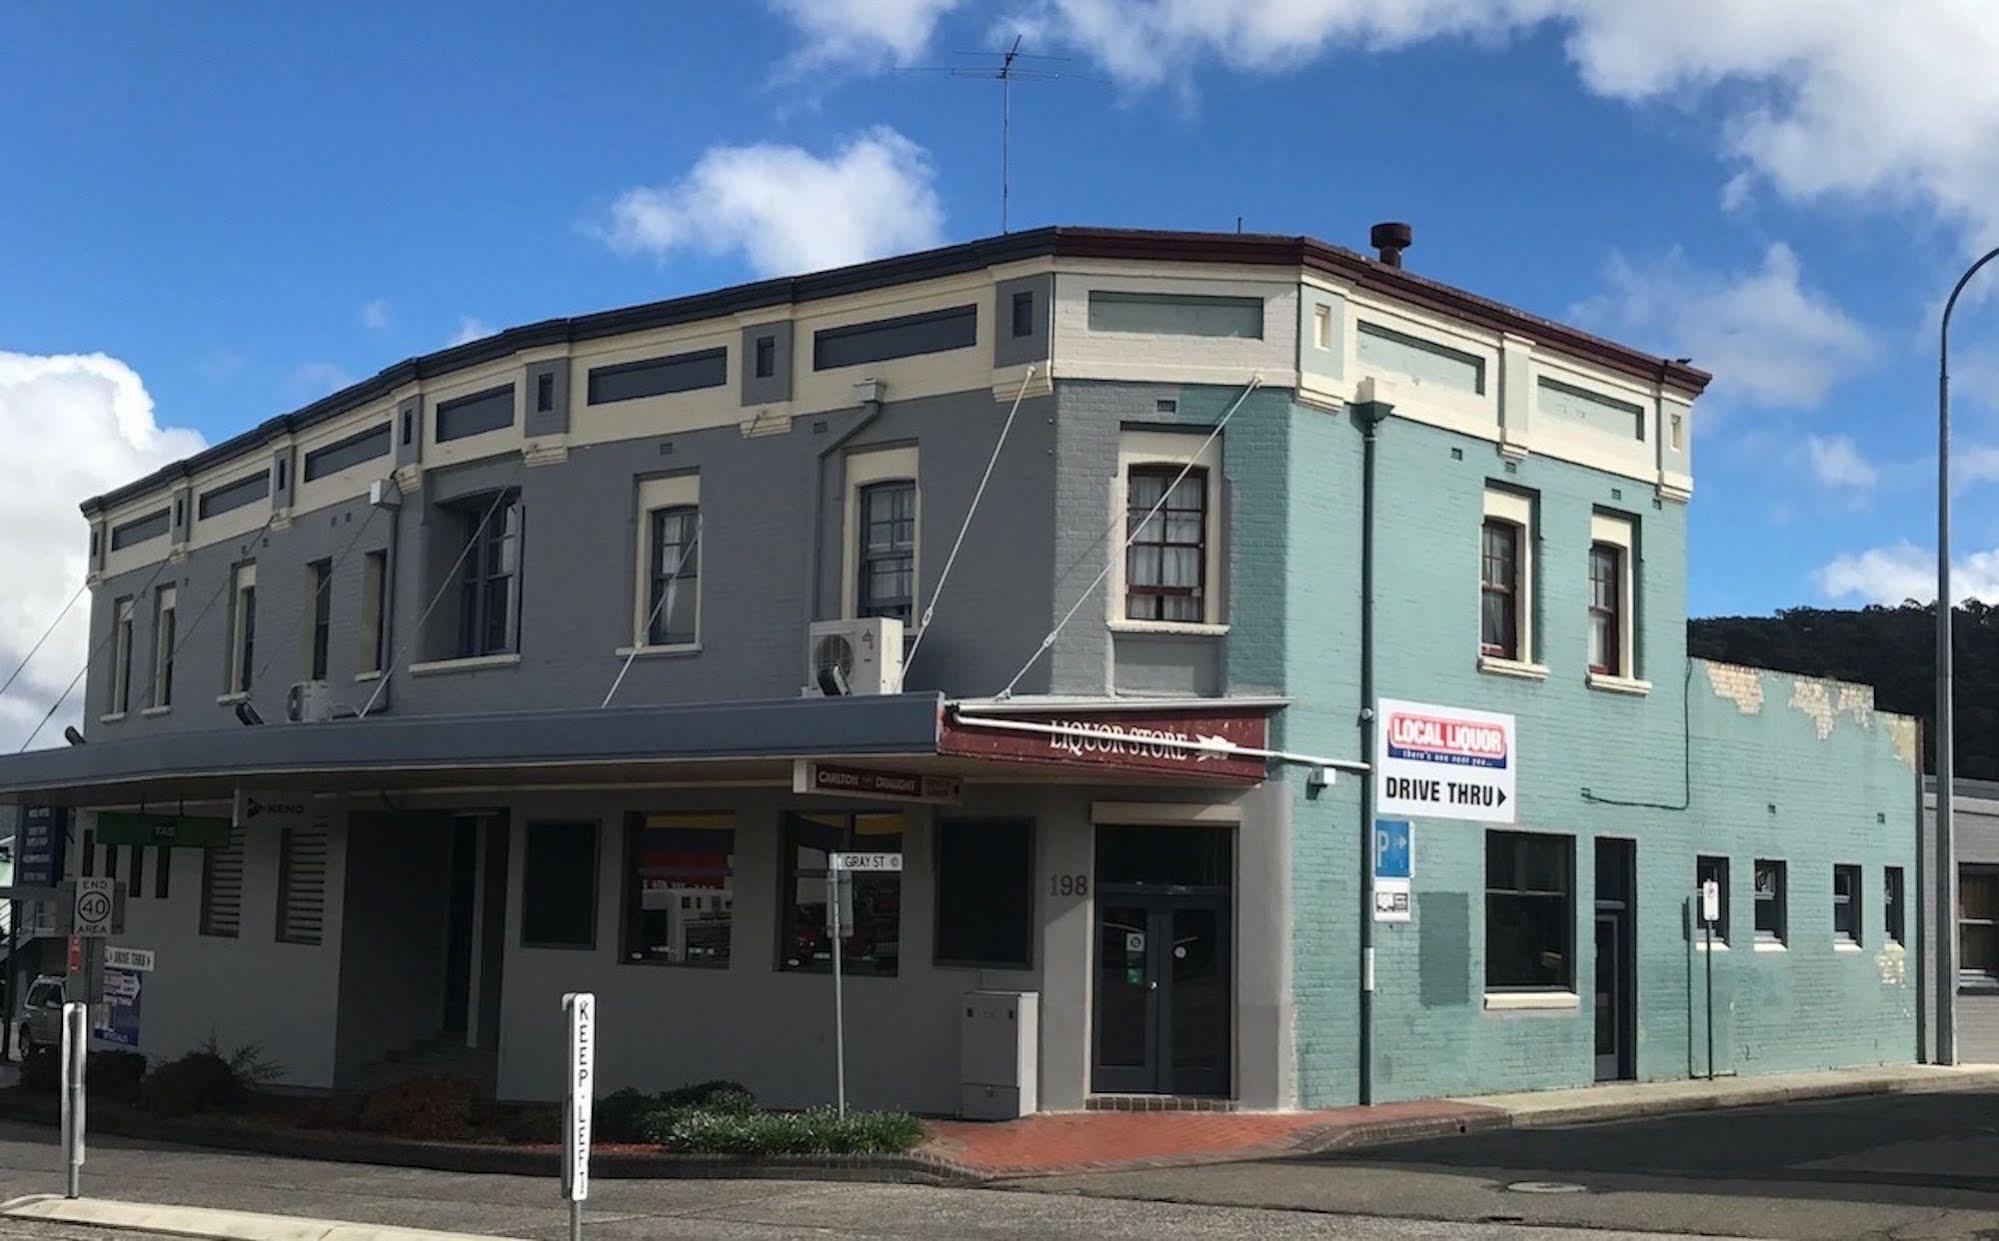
x=1846 y=796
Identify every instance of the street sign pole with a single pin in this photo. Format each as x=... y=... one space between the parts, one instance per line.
x=833 y=875
x=579 y=1009
x=1710 y=907
x=75 y=1045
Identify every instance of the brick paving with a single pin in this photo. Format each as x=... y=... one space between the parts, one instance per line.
x=1099 y=1141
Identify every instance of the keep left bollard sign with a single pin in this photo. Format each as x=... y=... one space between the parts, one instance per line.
x=581 y=1009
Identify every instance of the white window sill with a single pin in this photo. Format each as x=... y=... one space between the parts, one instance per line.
x=1530 y=1001
x=1512 y=668
x=1846 y=945
x=230 y=700
x=1192 y=629
x=111 y=717
x=362 y=678
x=1720 y=945
x=1619 y=685
x=1772 y=945
x=153 y=713
x=475 y=663
x=658 y=652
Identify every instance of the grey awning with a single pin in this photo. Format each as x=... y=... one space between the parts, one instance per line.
x=731 y=740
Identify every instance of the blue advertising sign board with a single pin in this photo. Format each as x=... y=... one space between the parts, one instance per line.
x=1394 y=867
x=121 y=1008
x=39 y=859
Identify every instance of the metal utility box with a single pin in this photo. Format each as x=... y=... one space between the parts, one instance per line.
x=1000 y=1060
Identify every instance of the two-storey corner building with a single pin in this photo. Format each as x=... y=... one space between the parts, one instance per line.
x=566 y=659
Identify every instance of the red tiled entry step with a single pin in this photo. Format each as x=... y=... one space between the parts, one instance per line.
x=1096 y=1141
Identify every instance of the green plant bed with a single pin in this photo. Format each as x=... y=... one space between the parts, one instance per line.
x=820 y=1131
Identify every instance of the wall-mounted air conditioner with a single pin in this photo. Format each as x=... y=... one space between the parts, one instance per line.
x=854 y=657
x=309 y=702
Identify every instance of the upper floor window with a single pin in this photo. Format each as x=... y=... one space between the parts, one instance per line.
x=489 y=586
x=1506 y=577
x=1166 y=521
x=320 y=576
x=230 y=496
x=1613 y=593
x=887 y=585
x=374 y=610
x=121 y=658
x=243 y=629
x=163 y=647
x=1023 y=313
x=1606 y=608
x=766 y=356
x=931 y=331
x=1176 y=314
x=475 y=414
x=673 y=600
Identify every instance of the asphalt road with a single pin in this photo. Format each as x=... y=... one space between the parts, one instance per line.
x=1901 y=1166
x=709 y=1210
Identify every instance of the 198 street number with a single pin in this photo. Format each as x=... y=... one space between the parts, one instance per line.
x=1068 y=885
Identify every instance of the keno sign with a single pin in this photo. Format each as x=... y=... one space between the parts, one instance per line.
x=1444 y=762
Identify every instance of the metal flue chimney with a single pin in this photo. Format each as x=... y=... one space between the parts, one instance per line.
x=1390 y=238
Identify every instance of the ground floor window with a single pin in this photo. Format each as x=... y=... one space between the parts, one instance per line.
x=221 y=886
x=559 y=886
x=680 y=894
x=871 y=938
x=1846 y=904
x=1891 y=903
x=1530 y=911
x=1769 y=901
x=985 y=894
x=1978 y=921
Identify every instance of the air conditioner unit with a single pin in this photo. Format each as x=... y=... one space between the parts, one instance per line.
x=309 y=702
x=854 y=657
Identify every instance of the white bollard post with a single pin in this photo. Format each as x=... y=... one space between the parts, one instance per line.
x=579 y=1009
x=75 y=1046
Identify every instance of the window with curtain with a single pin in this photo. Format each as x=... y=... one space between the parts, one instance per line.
x=1166 y=565
x=489 y=584
x=888 y=550
x=1606 y=608
x=1499 y=590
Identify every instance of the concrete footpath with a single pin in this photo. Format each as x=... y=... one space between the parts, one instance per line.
x=1074 y=1143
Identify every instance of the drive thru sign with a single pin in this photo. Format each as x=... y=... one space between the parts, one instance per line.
x=1436 y=762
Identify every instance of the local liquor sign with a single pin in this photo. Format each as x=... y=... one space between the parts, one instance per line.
x=1445 y=762
x=1205 y=743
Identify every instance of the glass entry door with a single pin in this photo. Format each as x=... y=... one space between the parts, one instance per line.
x=1163 y=977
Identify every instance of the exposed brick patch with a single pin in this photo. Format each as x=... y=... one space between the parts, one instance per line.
x=1813 y=698
x=1902 y=731
x=1739 y=685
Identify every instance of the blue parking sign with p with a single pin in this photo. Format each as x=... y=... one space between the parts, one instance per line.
x=1392 y=850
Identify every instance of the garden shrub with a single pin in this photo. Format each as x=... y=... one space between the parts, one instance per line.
x=820 y=1131
x=718 y=1095
x=115 y=1076
x=40 y=1071
x=200 y=1081
x=621 y=1116
x=435 y=1107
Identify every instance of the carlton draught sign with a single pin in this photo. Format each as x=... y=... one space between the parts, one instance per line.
x=1445 y=762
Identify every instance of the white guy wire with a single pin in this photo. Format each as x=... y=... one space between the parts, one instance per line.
x=923 y=628
x=450 y=580
x=181 y=636
x=1255 y=382
x=664 y=596
x=22 y=666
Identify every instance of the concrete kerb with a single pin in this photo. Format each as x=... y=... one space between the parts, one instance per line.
x=179 y=1221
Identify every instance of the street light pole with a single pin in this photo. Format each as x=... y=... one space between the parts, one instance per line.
x=1946 y=865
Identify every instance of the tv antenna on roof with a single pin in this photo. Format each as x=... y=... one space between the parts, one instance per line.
x=1006 y=73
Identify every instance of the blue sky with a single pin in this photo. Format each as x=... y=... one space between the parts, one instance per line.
x=242 y=207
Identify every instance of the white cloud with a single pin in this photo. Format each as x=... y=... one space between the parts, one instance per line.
x=470 y=329
x=1767 y=338
x=1848 y=99
x=75 y=425
x=316 y=379
x=375 y=315
x=1902 y=571
x=786 y=209
x=864 y=33
x=1838 y=465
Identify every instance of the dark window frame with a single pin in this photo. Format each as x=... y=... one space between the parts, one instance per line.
x=868 y=557
x=766 y=357
x=1894 y=909
x=140 y=530
x=1157 y=594
x=345 y=454
x=1849 y=909
x=124 y=637
x=544 y=392
x=530 y=871
x=1023 y=314
x=694 y=371
x=1566 y=895
x=1106 y=298
x=851 y=841
x=1499 y=578
x=233 y=495
x=1606 y=573
x=242 y=625
x=473 y=414
x=941 y=842
x=685 y=575
x=488 y=528
x=375 y=574
x=1717 y=864
x=903 y=336
x=1986 y=924
x=166 y=624
x=1778 y=900
x=632 y=876
x=320 y=573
